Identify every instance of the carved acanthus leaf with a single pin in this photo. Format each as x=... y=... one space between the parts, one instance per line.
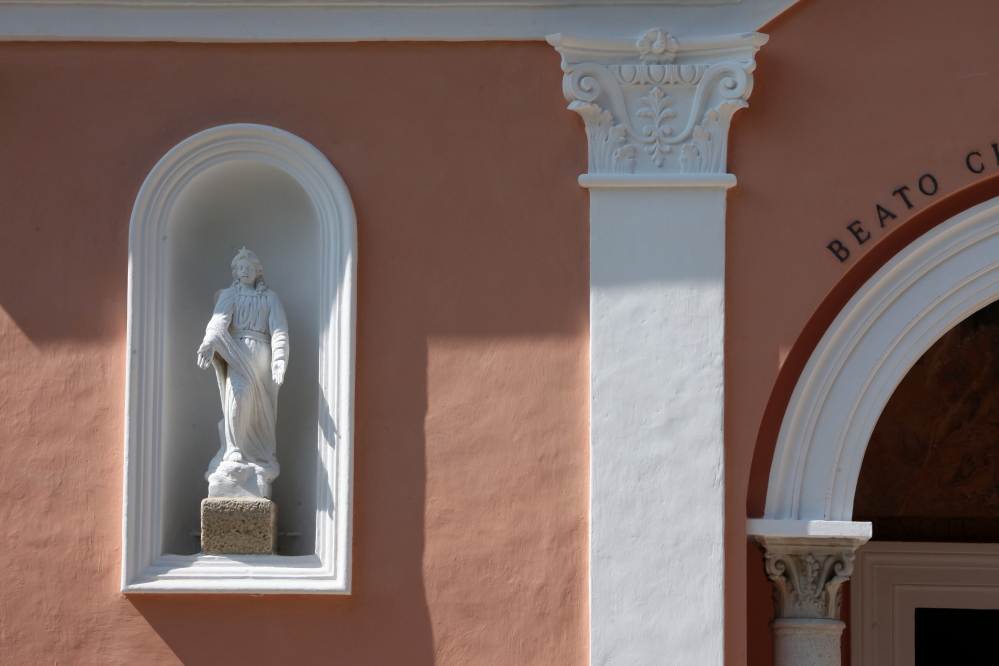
x=609 y=149
x=657 y=108
x=657 y=93
x=808 y=581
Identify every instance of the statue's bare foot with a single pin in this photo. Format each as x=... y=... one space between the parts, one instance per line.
x=235 y=456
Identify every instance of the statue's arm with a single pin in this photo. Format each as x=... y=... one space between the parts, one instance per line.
x=279 y=338
x=219 y=321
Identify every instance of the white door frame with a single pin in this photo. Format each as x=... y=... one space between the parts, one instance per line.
x=890 y=580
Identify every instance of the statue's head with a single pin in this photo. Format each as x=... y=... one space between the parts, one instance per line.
x=246 y=270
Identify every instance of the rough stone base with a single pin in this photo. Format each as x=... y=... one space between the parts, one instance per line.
x=231 y=526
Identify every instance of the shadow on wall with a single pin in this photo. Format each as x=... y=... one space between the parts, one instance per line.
x=389 y=596
x=386 y=620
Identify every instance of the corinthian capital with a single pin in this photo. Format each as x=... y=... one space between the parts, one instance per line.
x=808 y=574
x=657 y=105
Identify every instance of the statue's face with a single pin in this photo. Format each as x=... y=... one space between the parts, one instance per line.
x=246 y=273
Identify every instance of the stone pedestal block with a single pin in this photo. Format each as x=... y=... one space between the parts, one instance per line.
x=231 y=526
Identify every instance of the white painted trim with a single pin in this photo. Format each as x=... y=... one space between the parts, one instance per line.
x=357 y=20
x=891 y=580
x=808 y=528
x=144 y=568
x=725 y=180
x=939 y=280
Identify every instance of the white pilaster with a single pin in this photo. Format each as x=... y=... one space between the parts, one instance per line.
x=656 y=112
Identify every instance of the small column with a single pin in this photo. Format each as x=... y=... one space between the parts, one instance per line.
x=808 y=573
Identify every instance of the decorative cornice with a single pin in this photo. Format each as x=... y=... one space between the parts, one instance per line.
x=364 y=20
x=808 y=574
x=658 y=105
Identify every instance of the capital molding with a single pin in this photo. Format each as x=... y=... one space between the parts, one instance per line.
x=658 y=106
x=808 y=573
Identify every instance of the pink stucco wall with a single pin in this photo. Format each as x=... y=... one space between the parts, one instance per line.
x=471 y=497
x=471 y=439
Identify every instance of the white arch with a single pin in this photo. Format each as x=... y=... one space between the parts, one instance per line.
x=937 y=281
x=144 y=568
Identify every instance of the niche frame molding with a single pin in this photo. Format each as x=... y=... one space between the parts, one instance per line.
x=144 y=567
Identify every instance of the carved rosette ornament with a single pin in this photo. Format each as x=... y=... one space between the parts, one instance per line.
x=659 y=105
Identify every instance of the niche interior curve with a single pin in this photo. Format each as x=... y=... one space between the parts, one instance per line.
x=272 y=192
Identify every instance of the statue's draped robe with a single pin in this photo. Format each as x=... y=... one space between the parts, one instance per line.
x=248 y=332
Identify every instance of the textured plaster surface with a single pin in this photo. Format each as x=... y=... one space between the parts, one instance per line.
x=657 y=317
x=470 y=518
x=238 y=526
x=841 y=115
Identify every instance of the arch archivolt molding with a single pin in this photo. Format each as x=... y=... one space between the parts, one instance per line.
x=922 y=292
x=807 y=533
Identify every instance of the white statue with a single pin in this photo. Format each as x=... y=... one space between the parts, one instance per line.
x=247 y=342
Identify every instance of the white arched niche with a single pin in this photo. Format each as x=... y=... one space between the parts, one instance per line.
x=937 y=281
x=276 y=194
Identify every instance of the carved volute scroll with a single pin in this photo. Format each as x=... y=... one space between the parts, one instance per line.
x=808 y=575
x=657 y=105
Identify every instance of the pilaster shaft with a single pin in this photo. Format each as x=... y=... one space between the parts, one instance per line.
x=656 y=113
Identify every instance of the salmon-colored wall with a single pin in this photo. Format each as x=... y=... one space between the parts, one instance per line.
x=471 y=466
x=853 y=100
x=471 y=498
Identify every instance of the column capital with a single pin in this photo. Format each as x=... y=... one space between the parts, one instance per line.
x=808 y=573
x=658 y=106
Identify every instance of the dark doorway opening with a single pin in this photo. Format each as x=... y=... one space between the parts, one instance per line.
x=956 y=636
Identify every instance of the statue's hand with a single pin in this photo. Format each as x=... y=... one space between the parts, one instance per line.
x=205 y=354
x=277 y=371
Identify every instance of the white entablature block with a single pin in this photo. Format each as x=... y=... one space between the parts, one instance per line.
x=658 y=105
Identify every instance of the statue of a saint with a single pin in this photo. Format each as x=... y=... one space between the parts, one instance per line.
x=247 y=342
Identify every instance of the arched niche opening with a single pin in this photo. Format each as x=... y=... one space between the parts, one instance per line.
x=257 y=205
x=212 y=194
